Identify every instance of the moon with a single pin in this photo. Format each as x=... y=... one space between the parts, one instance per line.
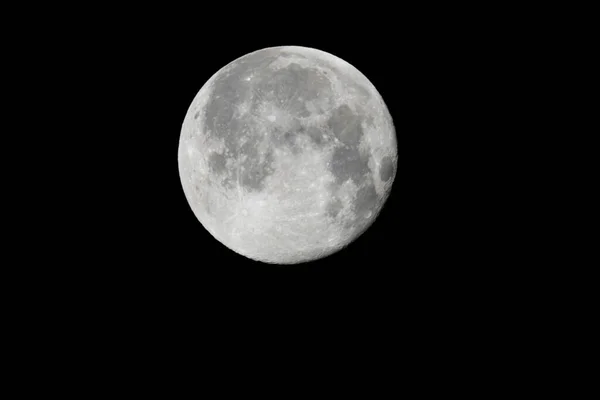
x=287 y=154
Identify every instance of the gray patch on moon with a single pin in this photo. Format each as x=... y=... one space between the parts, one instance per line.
x=220 y=110
x=288 y=88
x=386 y=169
x=346 y=125
x=291 y=88
x=318 y=136
x=290 y=54
x=254 y=172
x=356 y=88
x=278 y=87
x=229 y=90
x=217 y=163
x=334 y=207
x=287 y=138
x=366 y=200
x=348 y=163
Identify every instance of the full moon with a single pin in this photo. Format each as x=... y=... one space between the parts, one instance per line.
x=287 y=154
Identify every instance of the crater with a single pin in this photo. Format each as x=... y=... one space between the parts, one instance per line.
x=285 y=138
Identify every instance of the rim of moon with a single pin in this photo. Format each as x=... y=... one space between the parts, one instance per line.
x=287 y=154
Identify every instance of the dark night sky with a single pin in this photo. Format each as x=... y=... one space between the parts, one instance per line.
x=431 y=238
x=124 y=273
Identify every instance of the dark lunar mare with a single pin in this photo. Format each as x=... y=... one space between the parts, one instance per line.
x=366 y=199
x=229 y=91
x=386 y=169
x=289 y=88
x=349 y=163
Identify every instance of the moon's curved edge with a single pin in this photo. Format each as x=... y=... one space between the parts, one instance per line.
x=205 y=93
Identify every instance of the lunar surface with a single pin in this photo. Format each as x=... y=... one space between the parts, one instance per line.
x=287 y=154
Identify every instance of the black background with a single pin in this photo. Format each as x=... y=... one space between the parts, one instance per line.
x=129 y=271
x=125 y=275
x=438 y=240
